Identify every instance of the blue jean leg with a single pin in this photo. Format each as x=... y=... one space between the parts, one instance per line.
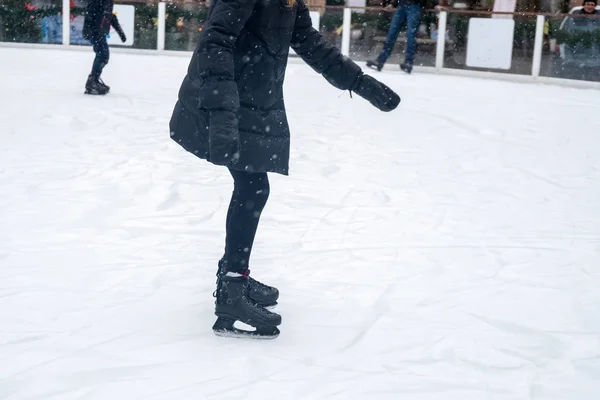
x=413 y=16
x=100 y=46
x=397 y=22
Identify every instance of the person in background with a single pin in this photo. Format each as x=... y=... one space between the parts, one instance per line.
x=409 y=12
x=99 y=18
x=589 y=8
x=588 y=24
x=231 y=112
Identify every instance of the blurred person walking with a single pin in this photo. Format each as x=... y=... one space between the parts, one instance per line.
x=99 y=18
x=409 y=12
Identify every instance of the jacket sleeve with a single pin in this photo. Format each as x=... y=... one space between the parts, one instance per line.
x=214 y=54
x=323 y=57
x=114 y=22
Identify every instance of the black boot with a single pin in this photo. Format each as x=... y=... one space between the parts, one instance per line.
x=104 y=84
x=406 y=68
x=233 y=304
x=375 y=64
x=93 y=86
x=262 y=294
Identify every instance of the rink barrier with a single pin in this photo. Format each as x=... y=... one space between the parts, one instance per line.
x=439 y=67
x=499 y=76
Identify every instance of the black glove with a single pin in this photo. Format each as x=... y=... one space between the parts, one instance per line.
x=114 y=21
x=223 y=137
x=376 y=93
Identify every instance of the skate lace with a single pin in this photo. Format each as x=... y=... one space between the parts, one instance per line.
x=258 y=307
x=218 y=285
x=259 y=285
x=254 y=304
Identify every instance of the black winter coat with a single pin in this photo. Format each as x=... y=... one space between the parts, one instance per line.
x=98 y=19
x=239 y=65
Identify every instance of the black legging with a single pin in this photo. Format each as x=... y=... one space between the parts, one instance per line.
x=100 y=46
x=250 y=194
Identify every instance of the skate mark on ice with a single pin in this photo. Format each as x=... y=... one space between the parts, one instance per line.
x=71 y=353
x=381 y=308
x=474 y=131
x=536 y=176
x=529 y=360
x=347 y=225
x=329 y=170
x=10 y=294
x=26 y=339
x=171 y=199
x=321 y=220
x=184 y=387
x=418 y=246
x=251 y=380
x=551 y=346
x=478 y=365
x=588 y=365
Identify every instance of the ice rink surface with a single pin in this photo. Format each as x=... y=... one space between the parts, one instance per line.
x=446 y=251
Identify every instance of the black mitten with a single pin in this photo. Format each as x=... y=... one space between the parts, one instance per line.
x=378 y=94
x=223 y=137
x=114 y=21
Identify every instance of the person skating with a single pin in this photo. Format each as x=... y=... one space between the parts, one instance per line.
x=230 y=111
x=99 y=18
x=408 y=11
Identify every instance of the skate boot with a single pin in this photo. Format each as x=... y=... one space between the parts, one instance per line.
x=406 y=68
x=95 y=87
x=375 y=65
x=233 y=304
x=104 y=84
x=262 y=294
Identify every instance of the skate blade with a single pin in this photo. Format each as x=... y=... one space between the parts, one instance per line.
x=94 y=92
x=224 y=327
x=240 y=334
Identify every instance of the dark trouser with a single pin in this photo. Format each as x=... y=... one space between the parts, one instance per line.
x=411 y=14
x=100 y=46
x=250 y=194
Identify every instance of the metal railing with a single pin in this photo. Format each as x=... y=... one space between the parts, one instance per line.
x=360 y=32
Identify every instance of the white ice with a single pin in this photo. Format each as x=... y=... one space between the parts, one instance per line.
x=446 y=251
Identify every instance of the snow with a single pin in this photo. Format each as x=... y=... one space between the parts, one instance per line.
x=449 y=250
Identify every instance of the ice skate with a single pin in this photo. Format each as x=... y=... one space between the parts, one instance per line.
x=234 y=304
x=262 y=294
x=95 y=87
x=375 y=64
x=101 y=82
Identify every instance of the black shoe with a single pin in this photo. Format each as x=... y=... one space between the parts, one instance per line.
x=93 y=86
x=406 y=68
x=233 y=304
x=375 y=65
